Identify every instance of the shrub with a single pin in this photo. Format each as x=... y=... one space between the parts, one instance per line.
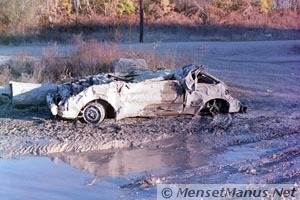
x=93 y=58
x=51 y=67
x=266 y=6
x=18 y=17
x=5 y=75
x=66 y=6
x=168 y=59
x=229 y=5
x=89 y=58
x=125 y=7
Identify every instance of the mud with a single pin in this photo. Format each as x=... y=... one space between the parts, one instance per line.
x=261 y=146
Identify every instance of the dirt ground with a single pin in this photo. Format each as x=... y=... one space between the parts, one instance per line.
x=261 y=146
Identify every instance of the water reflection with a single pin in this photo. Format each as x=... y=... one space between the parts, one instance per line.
x=170 y=154
x=39 y=178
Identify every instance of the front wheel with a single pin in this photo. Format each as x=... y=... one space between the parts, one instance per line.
x=94 y=113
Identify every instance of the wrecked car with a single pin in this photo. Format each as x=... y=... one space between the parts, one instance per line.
x=186 y=91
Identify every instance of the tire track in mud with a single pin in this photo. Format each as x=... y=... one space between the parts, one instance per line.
x=46 y=136
x=277 y=146
x=276 y=161
x=258 y=147
x=42 y=136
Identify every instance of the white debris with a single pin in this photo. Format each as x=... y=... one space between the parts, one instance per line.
x=24 y=94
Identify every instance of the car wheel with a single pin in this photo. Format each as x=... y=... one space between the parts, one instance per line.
x=94 y=113
x=215 y=107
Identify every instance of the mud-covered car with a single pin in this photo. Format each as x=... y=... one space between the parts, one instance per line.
x=189 y=90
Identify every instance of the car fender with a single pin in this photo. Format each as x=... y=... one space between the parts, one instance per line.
x=108 y=93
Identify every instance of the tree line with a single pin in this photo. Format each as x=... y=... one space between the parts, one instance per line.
x=21 y=15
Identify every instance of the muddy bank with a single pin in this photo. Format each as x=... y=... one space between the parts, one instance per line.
x=34 y=131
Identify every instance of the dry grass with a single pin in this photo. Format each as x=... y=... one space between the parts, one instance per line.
x=92 y=57
x=51 y=67
x=162 y=60
x=89 y=58
x=20 y=68
x=5 y=75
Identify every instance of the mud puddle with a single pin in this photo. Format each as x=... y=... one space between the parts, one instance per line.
x=40 y=178
x=171 y=154
x=107 y=174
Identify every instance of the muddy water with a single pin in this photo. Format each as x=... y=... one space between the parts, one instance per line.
x=171 y=154
x=40 y=178
x=98 y=175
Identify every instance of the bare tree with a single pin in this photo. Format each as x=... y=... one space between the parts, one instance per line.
x=88 y=6
x=295 y=5
x=77 y=6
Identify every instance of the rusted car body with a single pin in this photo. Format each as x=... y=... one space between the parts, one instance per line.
x=189 y=90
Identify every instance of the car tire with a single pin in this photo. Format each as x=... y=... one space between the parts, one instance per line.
x=94 y=113
x=214 y=107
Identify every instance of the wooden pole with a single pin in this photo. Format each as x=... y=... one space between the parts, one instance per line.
x=141 y=21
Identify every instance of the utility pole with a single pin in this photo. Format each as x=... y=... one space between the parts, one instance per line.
x=77 y=7
x=141 y=21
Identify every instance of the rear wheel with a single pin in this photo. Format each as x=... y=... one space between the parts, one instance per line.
x=94 y=113
x=215 y=106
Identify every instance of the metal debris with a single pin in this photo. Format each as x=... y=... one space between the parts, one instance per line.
x=24 y=94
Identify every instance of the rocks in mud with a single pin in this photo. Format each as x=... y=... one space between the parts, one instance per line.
x=135 y=145
x=251 y=171
x=144 y=182
x=149 y=181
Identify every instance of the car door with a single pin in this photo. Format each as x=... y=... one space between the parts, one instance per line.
x=202 y=88
x=152 y=98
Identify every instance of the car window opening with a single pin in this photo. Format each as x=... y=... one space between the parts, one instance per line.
x=202 y=78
